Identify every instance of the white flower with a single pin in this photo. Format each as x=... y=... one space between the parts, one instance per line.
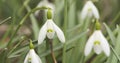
x=49 y=29
x=98 y=42
x=32 y=57
x=45 y=3
x=90 y=10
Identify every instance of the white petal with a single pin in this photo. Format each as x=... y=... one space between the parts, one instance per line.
x=26 y=58
x=84 y=11
x=104 y=44
x=36 y=13
x=97 y=49
x=34 y=57
x=89 y=45
x=42 y=33
x=39 y=5
x=45 y=3
x=95 y=11
x=59 y=32
x=39 y=59
x=50 y=35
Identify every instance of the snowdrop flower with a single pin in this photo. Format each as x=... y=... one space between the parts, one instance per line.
x=49 y=29
x=32 y=57
x=90 y=10
x=45 y=3
x=98 y=42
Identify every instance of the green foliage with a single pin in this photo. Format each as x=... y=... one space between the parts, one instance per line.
x=14 y=41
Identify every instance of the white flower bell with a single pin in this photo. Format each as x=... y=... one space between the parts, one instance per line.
x=90 y=10
x=45 y=3
x=32 y=57
x=49 y=29
x=98 y=42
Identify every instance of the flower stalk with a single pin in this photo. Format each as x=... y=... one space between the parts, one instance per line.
x=51 y=48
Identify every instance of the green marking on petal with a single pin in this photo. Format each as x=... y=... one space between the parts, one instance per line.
x=89 y=9
x=49 y=30
x=29 y=59
x=97 y=43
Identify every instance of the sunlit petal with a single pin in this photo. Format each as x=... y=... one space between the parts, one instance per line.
x=84 y=11
x=34 y=57
x=26 y=58
x=50 y=29
x=45 y=3
x=38 y=59
x=41 y=4
x=95 y=11
x=104 y=44
x=100 y=43
x=90 y=10
x=59 y=33
x=97 y=49
x=42 y=33
x=89 y=46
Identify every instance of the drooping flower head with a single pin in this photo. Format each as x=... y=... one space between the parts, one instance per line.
x=45 y=3
x=97 y=42
x=32 y=57
x=89 y=10
x=49 y=29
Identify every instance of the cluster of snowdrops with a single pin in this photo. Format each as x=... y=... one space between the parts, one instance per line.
x=96 y=41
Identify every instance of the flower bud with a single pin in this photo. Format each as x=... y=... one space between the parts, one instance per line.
x=97 y=25
x=31 y=46
x=49 y=14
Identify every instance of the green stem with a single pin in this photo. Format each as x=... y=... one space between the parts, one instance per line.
x=65 y=16
x=116 y=17
x=59 y=46
x=15 y=47
x=3 y=55
x=65 y=27
x=21 y=23
x=52 y=52
x=5 y=20
x=49 y=58
x=33 y=20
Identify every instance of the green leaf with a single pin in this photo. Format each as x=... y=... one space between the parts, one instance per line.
x=116 y=49
x=34 y=22
x=110 y=33
x=5 y=20
x=68 y=43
